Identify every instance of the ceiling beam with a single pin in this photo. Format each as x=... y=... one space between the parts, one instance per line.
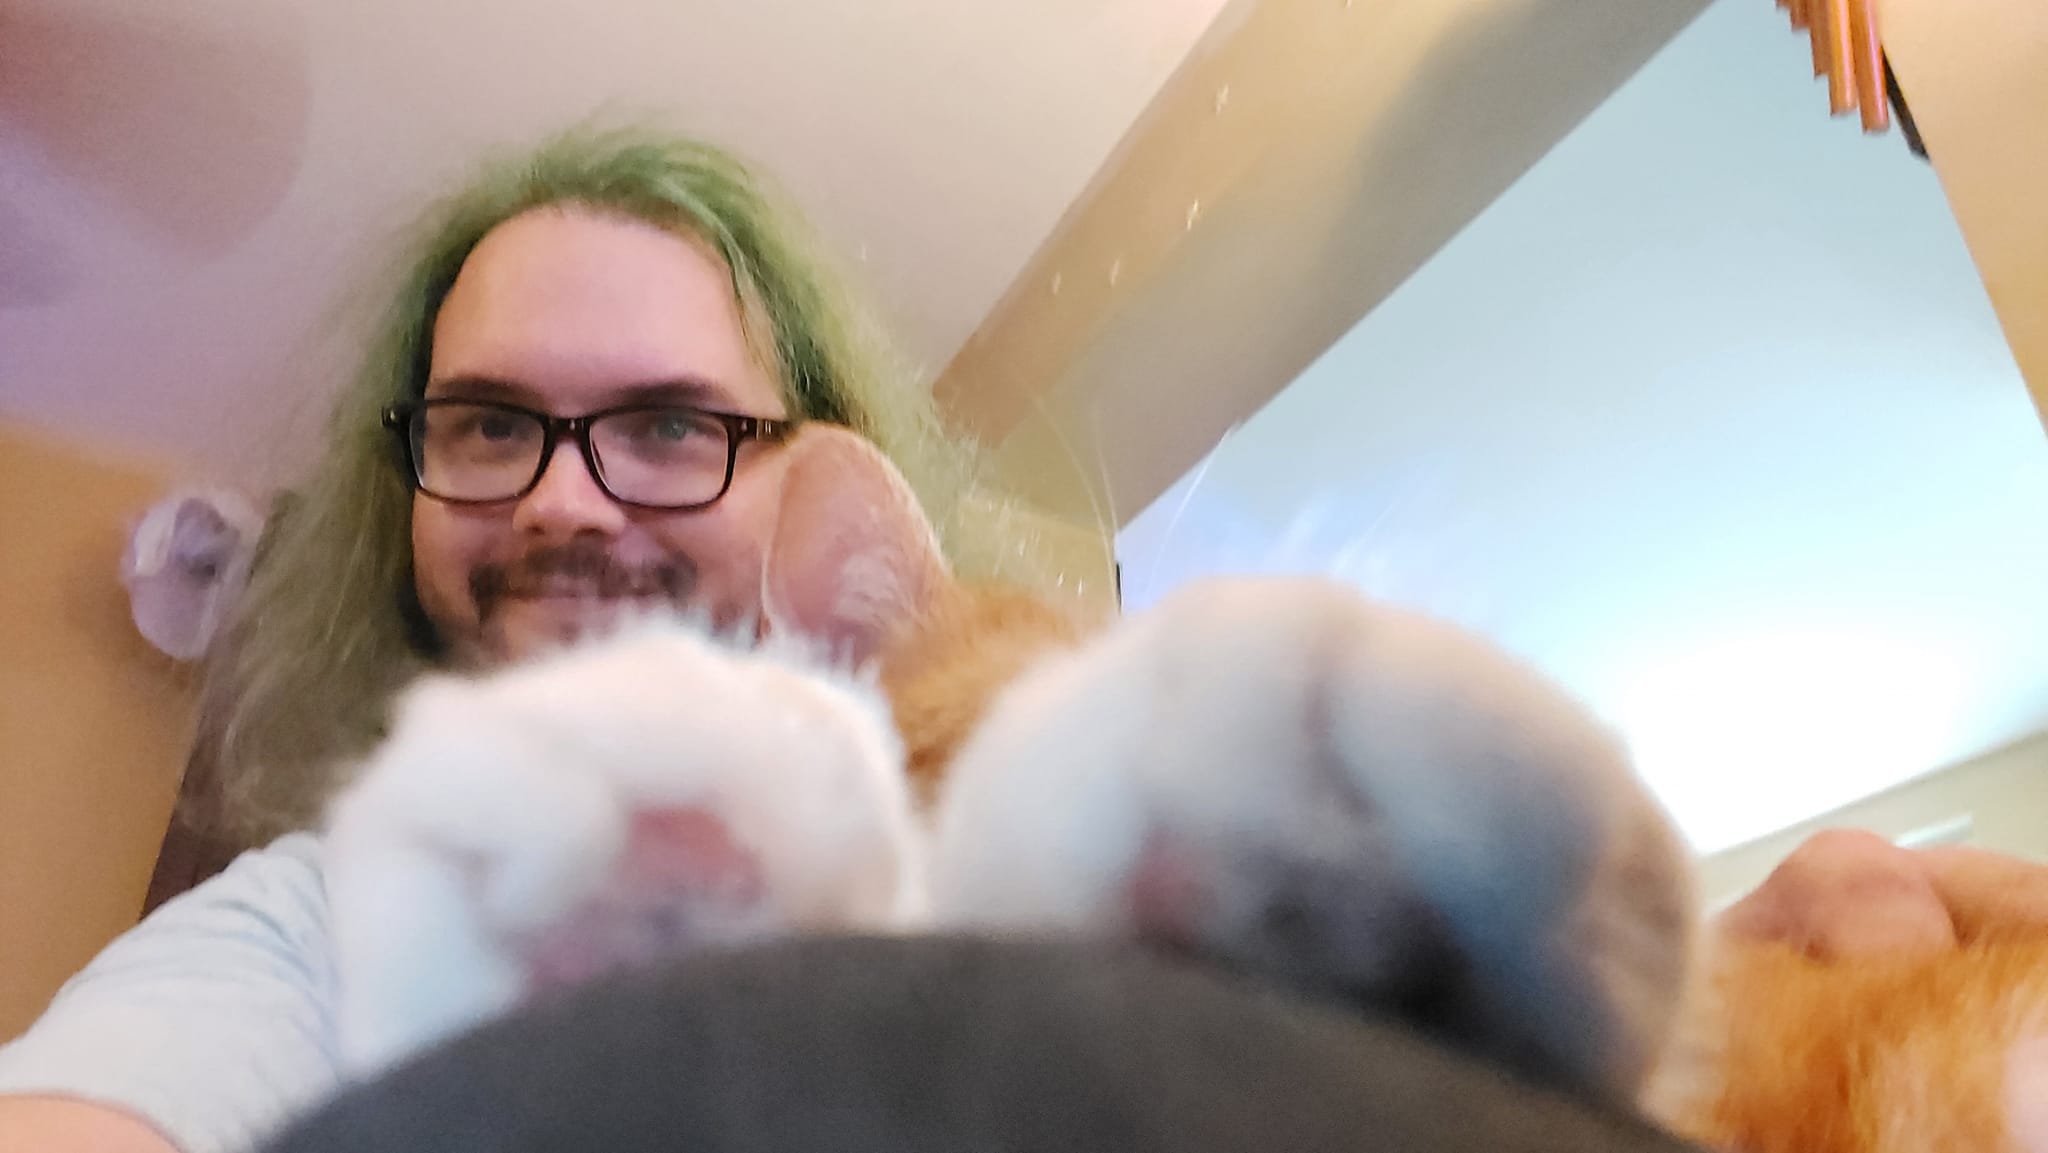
x=1306 y=158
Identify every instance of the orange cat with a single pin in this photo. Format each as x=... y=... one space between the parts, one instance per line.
x=1796 y=1055
x=1276 y=775
x=1863 y=1057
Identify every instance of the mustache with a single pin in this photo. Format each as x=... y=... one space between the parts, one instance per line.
x=581 y=570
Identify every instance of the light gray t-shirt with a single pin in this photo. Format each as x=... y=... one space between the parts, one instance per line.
x=212 y=1019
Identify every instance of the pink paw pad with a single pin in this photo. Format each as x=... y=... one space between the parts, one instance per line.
x=682 y=882
x=1168 y=895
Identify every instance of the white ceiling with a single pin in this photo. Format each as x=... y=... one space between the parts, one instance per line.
x=186 y=189
x=1710 y=417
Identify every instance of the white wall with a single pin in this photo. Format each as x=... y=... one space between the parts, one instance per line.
x=1709 y=417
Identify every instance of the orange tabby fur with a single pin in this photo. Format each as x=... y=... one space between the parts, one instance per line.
x=1808 y=1057
x=1868 y=1056
x=941 y=672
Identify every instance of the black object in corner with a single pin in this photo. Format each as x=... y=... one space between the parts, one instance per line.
x=1900 y=112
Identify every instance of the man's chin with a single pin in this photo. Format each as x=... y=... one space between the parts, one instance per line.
x=522 y=627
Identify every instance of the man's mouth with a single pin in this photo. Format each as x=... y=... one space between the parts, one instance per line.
x=557 y=592
x=569 y=609
x=578 y=576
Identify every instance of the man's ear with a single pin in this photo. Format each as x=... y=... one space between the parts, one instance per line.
x=853 y=558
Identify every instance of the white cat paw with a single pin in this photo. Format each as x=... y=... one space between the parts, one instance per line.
x=1342 y=797
x=634 y=798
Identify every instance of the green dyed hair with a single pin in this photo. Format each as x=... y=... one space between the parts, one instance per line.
x=328 y=627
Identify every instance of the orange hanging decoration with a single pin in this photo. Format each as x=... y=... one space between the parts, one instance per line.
x=1868 y=56
x=1848 y=52
x=1842 y=58
x=1816 y=31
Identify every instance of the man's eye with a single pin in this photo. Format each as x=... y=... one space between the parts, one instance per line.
x=498 y=426
x=665 y=426
x=661 y=429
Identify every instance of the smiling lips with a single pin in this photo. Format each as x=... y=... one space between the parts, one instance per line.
x=570 y=589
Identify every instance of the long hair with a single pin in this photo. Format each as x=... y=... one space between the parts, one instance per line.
x=329 y=628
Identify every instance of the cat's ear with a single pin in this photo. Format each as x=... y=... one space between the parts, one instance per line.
x=853 y=558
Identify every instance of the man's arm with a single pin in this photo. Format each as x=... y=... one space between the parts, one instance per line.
x=198 y=1031
x=59 y=1125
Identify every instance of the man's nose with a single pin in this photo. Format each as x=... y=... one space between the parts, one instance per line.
x=568 y=501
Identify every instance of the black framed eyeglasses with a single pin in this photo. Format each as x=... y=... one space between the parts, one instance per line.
x=654 y=456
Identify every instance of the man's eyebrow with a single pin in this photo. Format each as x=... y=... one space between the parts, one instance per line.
x=685 y=391
x=481 y=388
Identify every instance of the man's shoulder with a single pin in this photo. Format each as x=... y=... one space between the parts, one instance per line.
x=277 y=890
x=212 y=1019
x=294 y=858
x=291 y=868
x=263 y=917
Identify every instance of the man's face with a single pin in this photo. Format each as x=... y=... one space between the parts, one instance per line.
x=568 y=311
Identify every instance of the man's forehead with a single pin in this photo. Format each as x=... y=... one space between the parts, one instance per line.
x=585 y=309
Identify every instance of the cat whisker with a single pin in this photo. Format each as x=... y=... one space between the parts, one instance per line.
x=1105 y=522
x=1116 y=520
x=1180 y=508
